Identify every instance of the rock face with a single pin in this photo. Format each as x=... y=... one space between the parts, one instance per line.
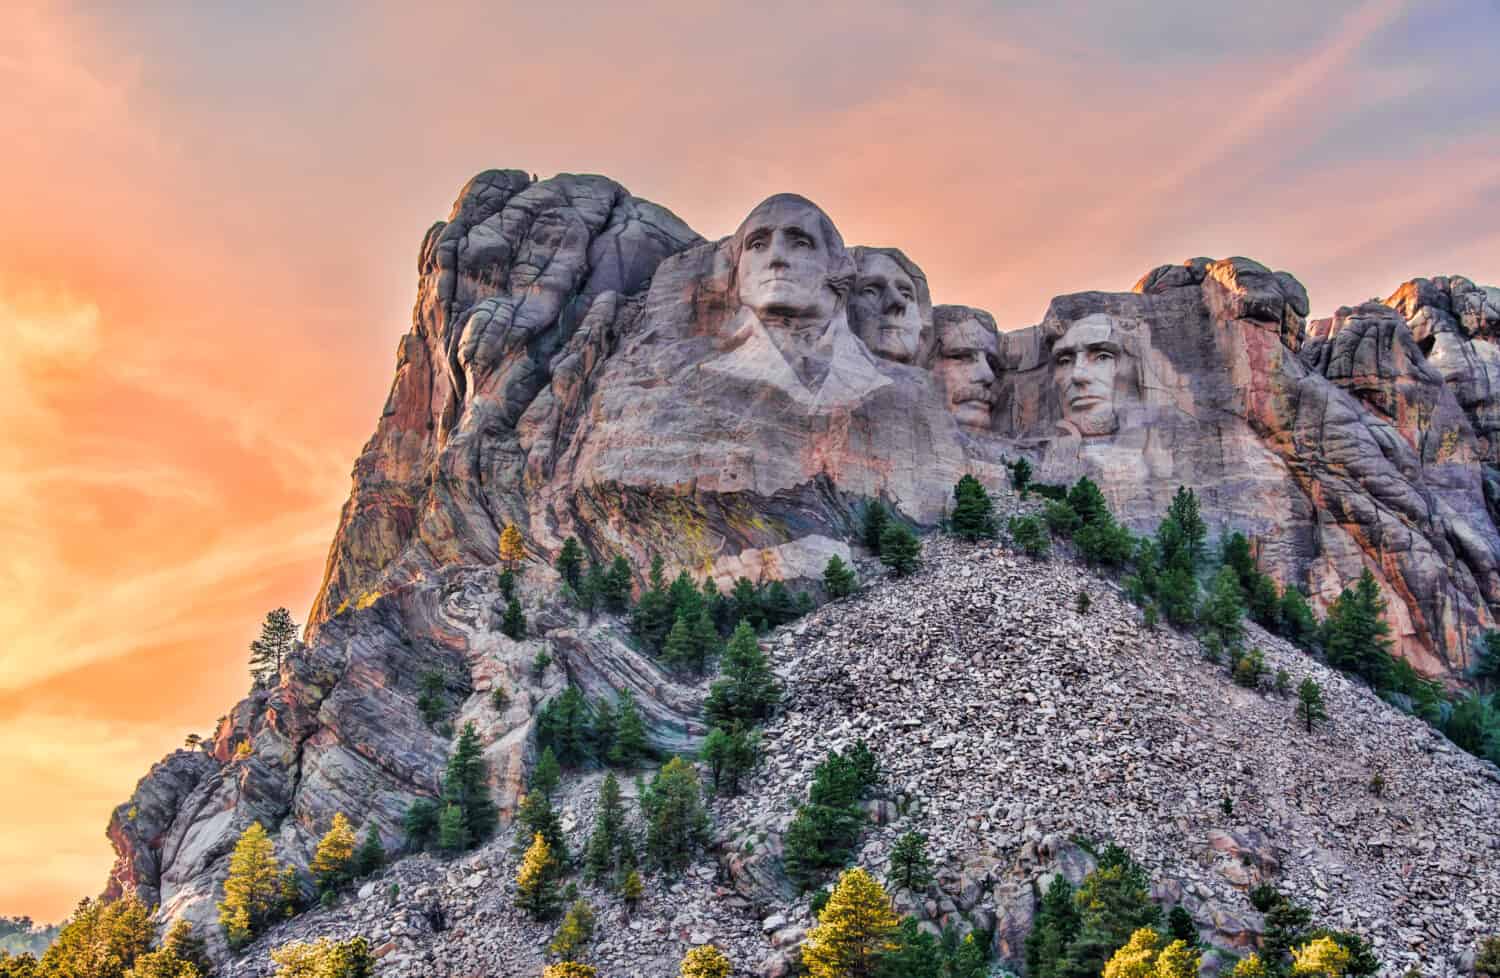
x=581 y=363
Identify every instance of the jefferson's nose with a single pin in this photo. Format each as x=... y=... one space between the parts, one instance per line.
x=894 y=301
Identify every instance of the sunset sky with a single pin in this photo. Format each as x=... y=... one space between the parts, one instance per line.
x=209 y=221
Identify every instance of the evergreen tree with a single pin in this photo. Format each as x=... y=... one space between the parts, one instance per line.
x=605 y=728
x=746 y=602
x=536 y=881
x=910 y=868
x=680 y=651
x=1355 y=634
x=1020 y=476
x=899 y=549
x=838 y=578
x=973 y=512
x=719 y=608
x=778 y=608
x=324 y=958
x=730 y=753
x=617 y=586
x=853 y=932
x=602 y=857
x=1223 y=612
x=1027 y=533
x=875 y=522
x=466 y=786
x=632 y=889
x=1264 y=602
x=421 y=824
x=1321 y=957
x=570 y=563
x=676 y=824
x=1486 y=665
x=1114 y=901
x=705 y=640
x=535 y=816
x=278 y=637
x=1053 y=932
x=253 y=895
x=371 y=854
x=569 y=969
x=1178 y=595
x=915 y=953
x=512 y=547
x=1104 y=542
x=594 y=589
x=577 y=930
x=1145 y=955
x=746 y=689
x=453 y=832
x=1310 y=703
x=630 y=746
x=563 y=724
x=1234 y=552
x=1083 y=603
x=333 y=862
x=1191 y=532
x=652 y=618
x=684 y=597
x=514 y=622
x=705 y=961
x=1061 y=519
x=505 y=581
x=547 y=774
x=100 y=940
x=1087 y=501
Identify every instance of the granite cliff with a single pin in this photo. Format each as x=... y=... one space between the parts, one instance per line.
x=581 y=363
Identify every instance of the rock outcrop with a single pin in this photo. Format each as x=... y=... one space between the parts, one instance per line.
x=581 y=363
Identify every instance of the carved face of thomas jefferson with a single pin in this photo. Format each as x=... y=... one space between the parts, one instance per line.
x=883 y=309
x=788 y=250
x=968 y=357
x=1085 y=360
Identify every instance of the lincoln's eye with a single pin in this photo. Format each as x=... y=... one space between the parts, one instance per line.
x=869 y=290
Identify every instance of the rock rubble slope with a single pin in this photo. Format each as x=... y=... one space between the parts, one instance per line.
x=1008 y=726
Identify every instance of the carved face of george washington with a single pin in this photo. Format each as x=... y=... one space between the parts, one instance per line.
x=788 y=253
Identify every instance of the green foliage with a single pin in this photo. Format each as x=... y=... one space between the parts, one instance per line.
x=823 y=832
x=1105 y=542
x=333 y=861
x=653 y=618
x=630 y=745
x=1049 y=491
x=536 y=817
x=1188 y=534
x=564 y=725
x=1027 y=533
x=1083 y=603
x=616 y=582
x=547 y=774
x=745 y=604
x=911 y=870
x=421 y=824
x=973 y=515
x=1053 y=932
x=466 y=788
x=1234 y=552
x=899 y=549
x=1177 y=596
x=875 y=522
x=325 y=959
x=536 y=879
x=676 y=824
x=1310 y=707
x=1355 y=635
x=539 y=663
x=853 y=931
x=1088 y=502
x=606 y=853
x=1222 y=614
x=595 y=586
x=1180 y=926
x=100 y=940
x=1487 y=955
x=777 y=605
x=746 y=689
x=513 y=625
x=430 y=698
x=577 y=929
x=1020 y=475
x=1250 y=669
x=1485 y=668
x=278 y=637
x=256 y=893
x=1112 y=902
x=730 y=754
x=838 y=578
x=570 y=563
x=1473 y=723
x=1297 y=621
x=1062 y=520
x=371 y=853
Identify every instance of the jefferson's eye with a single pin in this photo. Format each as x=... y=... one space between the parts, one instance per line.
x=1104 y=355
x=905 y=294
x=869 y=290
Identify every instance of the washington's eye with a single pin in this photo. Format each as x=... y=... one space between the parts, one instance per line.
x=1104 y=355
x=759 y=244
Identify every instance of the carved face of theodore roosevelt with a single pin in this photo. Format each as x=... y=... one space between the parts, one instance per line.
x=1085 y=360
x=789 y=252
x=968 y=355
x=883 y=309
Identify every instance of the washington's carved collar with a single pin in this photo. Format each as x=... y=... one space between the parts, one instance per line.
x=819 y=369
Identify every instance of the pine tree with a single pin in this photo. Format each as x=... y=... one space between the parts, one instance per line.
x=1355 y=635
x=916 y=953
x=453 y=832
x=838 y=578
x=973 y=512
x=1020 y=476
x=563 y=724
x=536 y=882
x=512 y=547
x=514 y=622
x=910 y=868
x=100 y=940
x=1191 y=532
x=680 y=652
x=1053 y=932
x=1310 y=703
x=1180 y=925
x=876 y=519
x=705 y=961
x=617 y=589
x=730 y=754
x=652 y=618
x=601 y=857
x=324 y=958
x=705 y=639
x=371 y=854
x=853 y=932
x=899 y=549
x=1026 y=532
x=592 y=593
x=535 y=816
x=421 y=824
x=1088 y=502
x=466 y=785
x=1223 y=612
x=1264 y=602
x=577 y=929
x=570 y=563
x=778 y=608
x=676 y=824
x=684 y=597
x=746 y=602
x=630 y=746
x=1061 y=519
x=747 y=690
x=547 y=774
x=278 y=636
x=569 y=969
x=1144 y=956
x=252 y=892
x=332 y=864
x=632 y=889
x=1114 y=901
x=1486 y=665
